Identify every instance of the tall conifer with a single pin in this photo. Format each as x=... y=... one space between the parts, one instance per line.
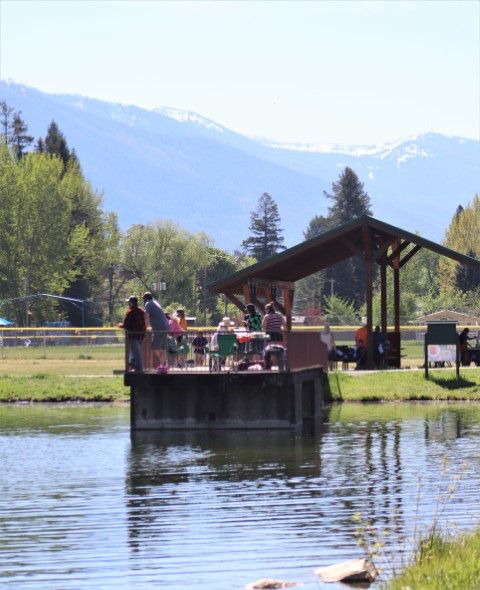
x=265 y=239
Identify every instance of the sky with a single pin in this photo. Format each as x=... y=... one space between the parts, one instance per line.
x=361 y=72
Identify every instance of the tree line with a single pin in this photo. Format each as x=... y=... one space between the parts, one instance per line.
x=57 y=239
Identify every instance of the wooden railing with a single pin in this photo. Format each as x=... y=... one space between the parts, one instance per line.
x=304 y=350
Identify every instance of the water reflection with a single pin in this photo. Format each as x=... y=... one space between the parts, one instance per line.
x=82 y=505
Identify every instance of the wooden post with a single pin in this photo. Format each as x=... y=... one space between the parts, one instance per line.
x=383 y=297
x=367 y=242
x=288 y=308
x=246 y=293
x=396 y=292
x=396 y=301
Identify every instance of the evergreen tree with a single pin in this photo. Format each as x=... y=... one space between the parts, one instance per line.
x=20 y=139
x=6 y=116
x=40 y=146
x=14 y=129
x=310 y=290
x=55 y=143
x=349 y=201
x=265 y=239
x=317 y=225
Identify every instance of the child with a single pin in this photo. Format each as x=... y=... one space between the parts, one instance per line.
x=199 y=344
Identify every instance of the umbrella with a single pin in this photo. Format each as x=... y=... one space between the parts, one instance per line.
x=4 y=322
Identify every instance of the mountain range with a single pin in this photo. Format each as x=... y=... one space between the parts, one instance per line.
x=168 y=163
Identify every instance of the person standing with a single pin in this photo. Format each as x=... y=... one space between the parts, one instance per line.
x=273 y=323
x=134 y=326
x=327 y=337
x=156 y=318
x=463 y=339
x=181 y=319
x=252 y=319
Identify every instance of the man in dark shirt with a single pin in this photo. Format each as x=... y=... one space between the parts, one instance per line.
x=134 y=326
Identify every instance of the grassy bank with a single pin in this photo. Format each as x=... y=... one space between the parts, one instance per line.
x=405 y=385
x=47 y=387
x=444 y=564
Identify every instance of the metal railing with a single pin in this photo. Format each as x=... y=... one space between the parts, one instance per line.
x=199 y=351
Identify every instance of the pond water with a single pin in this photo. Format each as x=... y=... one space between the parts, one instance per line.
x=83 y=506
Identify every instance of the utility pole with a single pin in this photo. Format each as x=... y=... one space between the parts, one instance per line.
x=204 y=296
x=331 y=281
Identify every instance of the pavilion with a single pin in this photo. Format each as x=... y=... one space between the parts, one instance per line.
x=273 y=279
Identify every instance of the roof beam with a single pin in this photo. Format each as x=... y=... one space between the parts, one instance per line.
x=410 y=255
x=397 y=251
x=383 y=249
x=235 y=300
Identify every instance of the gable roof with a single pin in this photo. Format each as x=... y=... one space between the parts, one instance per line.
x=327 y=249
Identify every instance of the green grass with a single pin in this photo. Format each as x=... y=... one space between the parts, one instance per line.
x=62 y=360
x=405 y=385
x=47 y=387
x=443 y=564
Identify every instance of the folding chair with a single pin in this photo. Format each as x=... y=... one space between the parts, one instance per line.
x=227 y=347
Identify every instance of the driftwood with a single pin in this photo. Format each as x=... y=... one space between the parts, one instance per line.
x=355 y=570
x=269 y=584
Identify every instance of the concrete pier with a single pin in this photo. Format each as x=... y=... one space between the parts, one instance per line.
x=225 y=400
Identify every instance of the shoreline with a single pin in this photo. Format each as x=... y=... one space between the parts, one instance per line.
x=374 y=387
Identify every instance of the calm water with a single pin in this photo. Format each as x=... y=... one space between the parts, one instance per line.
x=82 y=506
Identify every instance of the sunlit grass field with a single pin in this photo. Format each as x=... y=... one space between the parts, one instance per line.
x=62 y=373
x=87 y=373
x=99 y=360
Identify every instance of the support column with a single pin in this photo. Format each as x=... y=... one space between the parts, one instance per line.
x=396 y=308
x=367 y=242
x=246 y=293
x=287 y=303
x=383 y=297
x=396 y=291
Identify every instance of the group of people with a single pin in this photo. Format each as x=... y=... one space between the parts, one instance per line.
x=362 y=339
x=163 y=324
x=272 y=325
x=168 y=331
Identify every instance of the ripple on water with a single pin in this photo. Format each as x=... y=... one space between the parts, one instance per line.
x=82 y=506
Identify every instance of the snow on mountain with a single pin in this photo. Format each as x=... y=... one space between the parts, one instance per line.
x=189 y=117
x=171 y=163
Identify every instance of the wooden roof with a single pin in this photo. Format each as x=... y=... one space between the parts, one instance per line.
x=331 y=247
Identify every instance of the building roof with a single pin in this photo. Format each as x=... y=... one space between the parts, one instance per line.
x=447 y=314
x=329 y=248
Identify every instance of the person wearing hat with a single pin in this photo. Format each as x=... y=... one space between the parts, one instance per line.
x=156 y=318
x=224 y=327
x=134 y=326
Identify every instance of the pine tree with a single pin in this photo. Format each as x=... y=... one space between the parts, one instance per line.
x=317 y=225
x=310 y=290
x=6 y=115
x=265 y=239
x=20 y=139
x=40 y=146
x=14 y=129
x=55 y=143
x=349 y=201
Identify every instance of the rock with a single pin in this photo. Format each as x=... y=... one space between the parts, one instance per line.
x=355 y=570
x=267 y=584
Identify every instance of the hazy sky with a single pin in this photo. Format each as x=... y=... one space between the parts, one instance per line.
x=347 y=72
